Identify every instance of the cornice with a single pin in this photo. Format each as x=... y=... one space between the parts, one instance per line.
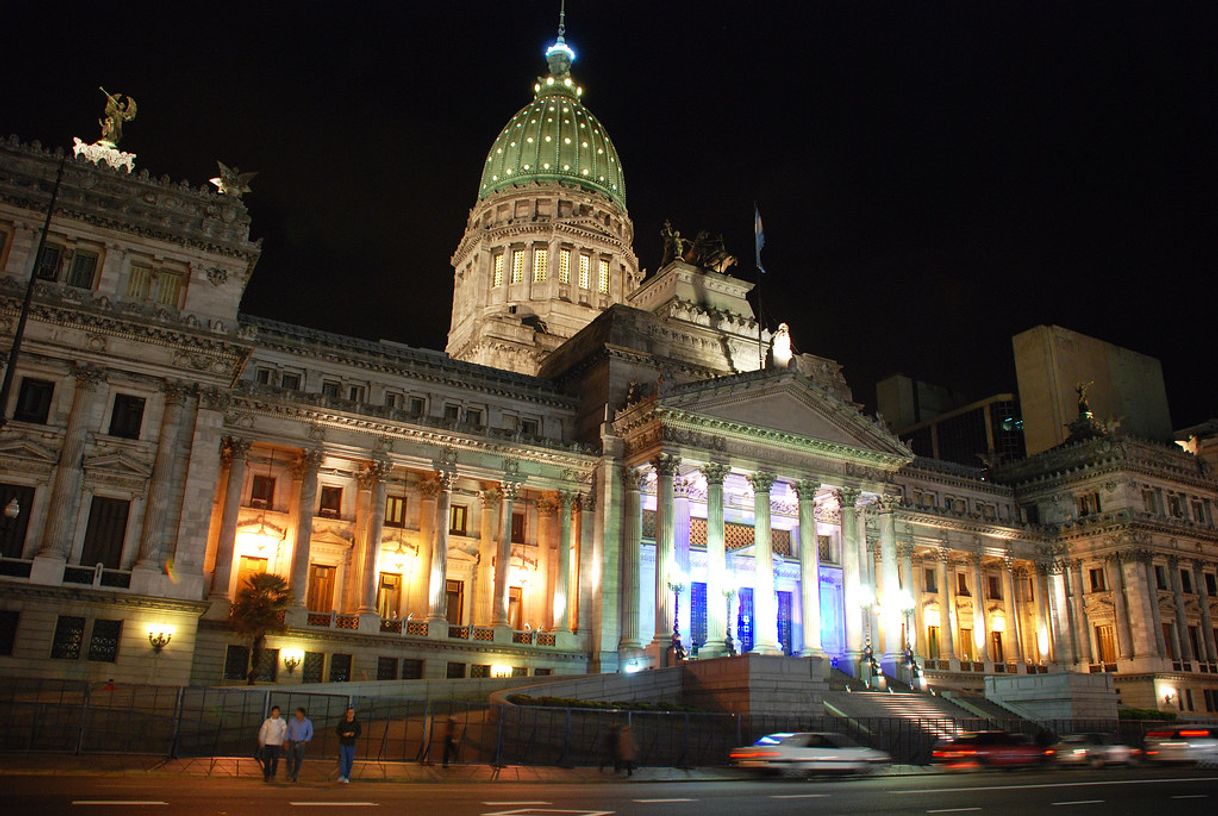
x=16 y=588
x=1102 y=456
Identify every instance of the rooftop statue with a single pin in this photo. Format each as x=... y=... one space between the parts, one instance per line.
x=231 y=181
x=1084 y=407
x=674 y=244
x=709 y=252
x=117 y=112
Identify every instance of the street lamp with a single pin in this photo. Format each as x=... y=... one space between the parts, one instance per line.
x=677 y=580
x=159 y=637
x=12 y=509
x=729 y=591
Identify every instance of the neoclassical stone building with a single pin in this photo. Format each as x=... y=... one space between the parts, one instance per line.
x=597 y=457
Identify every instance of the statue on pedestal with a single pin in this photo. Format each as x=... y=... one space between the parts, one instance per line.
x=117 y=112
x=674 y=244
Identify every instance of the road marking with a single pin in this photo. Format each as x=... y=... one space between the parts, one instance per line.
x=1192 y=796
x=798 y=795
x=1080 y=802
x=334 y=804
x=121 y=802
x=1061 y=785
x=517 y=803
x=952 y=810
x=538 y=812
x=662 y=801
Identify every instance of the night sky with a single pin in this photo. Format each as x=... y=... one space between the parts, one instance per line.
x=934 y=177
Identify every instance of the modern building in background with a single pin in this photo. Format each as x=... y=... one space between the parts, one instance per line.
x=593 y=453
x=932 y=421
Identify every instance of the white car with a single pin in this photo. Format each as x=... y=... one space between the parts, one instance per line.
x=808 y=753
x=1183 y=743
x=1095 y=750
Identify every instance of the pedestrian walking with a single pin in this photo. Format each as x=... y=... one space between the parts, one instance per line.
x=348 y=731
x=300 y=733
x=450 y=740
x=270 y=743
x=627 y=750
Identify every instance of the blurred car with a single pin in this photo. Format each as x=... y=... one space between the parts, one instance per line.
x=1095 y=750
x=997 y=749
x=1183 y=743
x=808 y=753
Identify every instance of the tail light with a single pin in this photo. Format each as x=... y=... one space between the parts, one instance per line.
x=1152 y=753
x=958 y=753
x=1195 y=732
x=754 y=754
x=1050 y=752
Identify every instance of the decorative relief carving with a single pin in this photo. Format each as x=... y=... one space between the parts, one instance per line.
x=217 y=275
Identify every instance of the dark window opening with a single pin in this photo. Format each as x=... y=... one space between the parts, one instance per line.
x=127 y=416
x=13 y=531
x=236 y=662
x=104 y=533
x=103 y=645
x=263 y=492
x=386 y=668
x=340 y=668
x=69 y=636
x=34 y=400
x=8 y=630
x=331 y=502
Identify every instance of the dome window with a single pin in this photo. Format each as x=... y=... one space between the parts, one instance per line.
x=567 y=140
x=547 y=138
x=584 y=144
x=526 y=167
x=529 y=140
x=566 y=167
x=546 y=166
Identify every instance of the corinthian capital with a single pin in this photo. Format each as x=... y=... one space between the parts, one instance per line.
x=666 y=464
x=761 y=481
x=308 y=464
x=847 y=497
x=806 y=489
x=547 y=505
x=714 y=473
x=234 y=447
x=634 y=478
x=88 y=376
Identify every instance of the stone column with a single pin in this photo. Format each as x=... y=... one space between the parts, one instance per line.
x=1207 y=625
x=60 y=531
x=429 y=491
x=717 y=578
x=566 y=545
x=437 y=582
x=1044 y=631
x=809 y=565
x=306 y=470
x=156 y=527
x=632 y=536
x=234 y=452
x=547 y=536
x=1082 y=626
x=889 y=593
x=665 y=465
x=765 y=599
x=1120 y=605
x=1058 y=627
x=1155 y=645
x=1177 y=585
x=847 y=499
x=980 y=624
x=589 y=573
x=503 y=557
x=947 y=604
x=488 y=522
x=680 y=537
x=1011 y=608
x=373 y=478
x=910 y=595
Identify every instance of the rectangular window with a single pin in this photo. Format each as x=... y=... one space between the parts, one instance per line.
x=1198 y=511
x=321 y=588
x=290 y=382
x=393 y=399
x=564 y=266
x=34 y=400
x=966 y=644
x=105 y=531
x=1211 y=581
x=69 y=636
x=454 y=594
x=602 y=276
x=480 y=670
x=1148 y=501
x=103 y=644
x=12 y=531
x=1161 y=577
x=452 y=412
x=520 y=671
x=262 y=494
x=455 y=671
x=1105 y=644
x=1097 y=579
x=340 y=668
x=541 y=264
x=993 y=587
x=8 y=628
x=162 y=287
x=247 y=568
x=236 y=662
x=518 y=528
x=473 y=416
x=264 y=376
x=1169 y=640
x=518 y=266
x=996 y=652
x=930 y=580
x=127 y=416
x=932 y=642
x=457 y=519
x=1186 y=580
x=267 y=668
x=1176 y=505
x=386 y=668
x=389 y=595
x=412 y=669
x=962 y=584
x=529 y=427
x=395 y=511
x=824 y=545
x=331 y=389
x=48 y=262
x=84 y=270
x=331 y=504
x=314 y=668
x=497 y=273
x=355 y=393
x=417 y=406
x=516 y=608
x=585 y=271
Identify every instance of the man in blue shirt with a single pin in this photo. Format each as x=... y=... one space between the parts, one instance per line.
x=300 y=731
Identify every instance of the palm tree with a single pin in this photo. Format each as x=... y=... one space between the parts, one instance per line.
x=259 y=610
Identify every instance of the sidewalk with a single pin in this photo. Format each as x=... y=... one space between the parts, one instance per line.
x=317 y=771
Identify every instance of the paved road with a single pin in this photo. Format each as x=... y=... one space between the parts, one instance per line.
x=1157 y=791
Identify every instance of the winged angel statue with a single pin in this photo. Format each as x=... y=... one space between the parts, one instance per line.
x=117 y=112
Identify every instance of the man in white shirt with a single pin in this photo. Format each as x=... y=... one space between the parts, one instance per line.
x=271 y=735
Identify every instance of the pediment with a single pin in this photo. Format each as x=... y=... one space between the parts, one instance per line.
x=118 y=463
x=783 y=403
x=19 y=448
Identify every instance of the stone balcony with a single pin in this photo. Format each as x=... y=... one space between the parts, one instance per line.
x=410 y=629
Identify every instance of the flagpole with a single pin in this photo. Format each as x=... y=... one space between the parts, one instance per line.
x=758 y=243
x=760 y=347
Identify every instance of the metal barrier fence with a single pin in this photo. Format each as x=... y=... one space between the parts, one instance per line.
x=76 y=717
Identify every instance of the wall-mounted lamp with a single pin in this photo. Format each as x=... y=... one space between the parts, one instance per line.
x=12 y=509
x=159 y=638
x=1169 y=698
x=292 y=660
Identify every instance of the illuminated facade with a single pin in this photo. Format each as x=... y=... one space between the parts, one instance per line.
x=581 y=469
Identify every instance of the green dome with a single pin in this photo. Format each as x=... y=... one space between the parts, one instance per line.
x=555 y=138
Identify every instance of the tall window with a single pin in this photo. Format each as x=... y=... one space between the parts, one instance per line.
x=497 y=270
x=247 y=568
x=395 y=511
x=564 y=266
x=1097 y=579
x=602 y=276
x=12 y=531
x=49 y=261
x=103 y=643
x=996 y=653
x=159 y=286
x=932 y=642
x=541 y=264
x=83 y=270
x=330 y=388
x=930 y=581
x=263 y=492
x=962 y=584
x=458 y=519
x=331 y=504
x=518 y=266
x=1148 y=501
x=1186 y=580
x=34 y=400
x=1105 y=643
x=993 y=587
x=321 y=588
x=585 y=271
x=69 y=636
x=105 y=532
x=454 y=595
x=515 y=608
x=966 y=644
x=518 y=528
x=8 y=619
x=127 y=416
x=389 y=595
